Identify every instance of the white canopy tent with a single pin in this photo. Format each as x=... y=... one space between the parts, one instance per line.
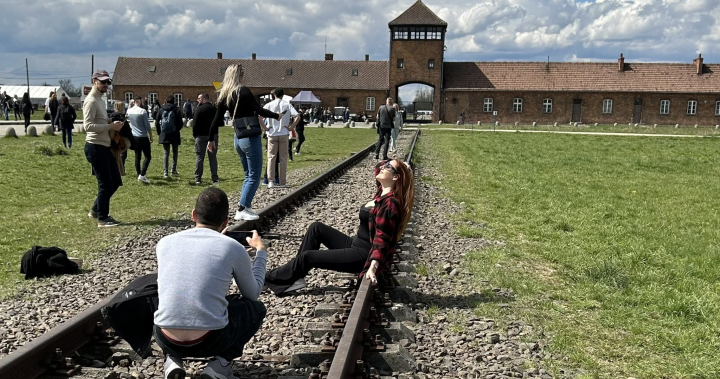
x=38 y=94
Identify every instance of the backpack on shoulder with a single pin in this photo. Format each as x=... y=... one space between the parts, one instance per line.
x=167 y=121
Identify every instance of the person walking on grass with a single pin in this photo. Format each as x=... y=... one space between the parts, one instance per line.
x=385 y=120
x=300 y=131
x=168 y=122
x=97 y=148
x=397 y=127
x=52 y=109
x=202 y=120
x=5 y=104
x=27 y=109
x=247 y=140
x=278 y=132
x=66 y=116
x=16 y=107
x=142 y=133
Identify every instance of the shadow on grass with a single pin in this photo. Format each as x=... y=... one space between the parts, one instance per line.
x=469 y=301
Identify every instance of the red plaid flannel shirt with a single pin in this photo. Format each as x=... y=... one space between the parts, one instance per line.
x=384 y=221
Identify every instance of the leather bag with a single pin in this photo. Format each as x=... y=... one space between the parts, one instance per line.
x=245 y=127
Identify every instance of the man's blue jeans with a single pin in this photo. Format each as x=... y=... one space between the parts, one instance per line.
x=250 y=152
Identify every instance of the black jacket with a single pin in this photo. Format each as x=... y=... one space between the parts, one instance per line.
x=46 y=261
x=58 y=117
x=247 y=106
x=203 y=119
x=168 y=138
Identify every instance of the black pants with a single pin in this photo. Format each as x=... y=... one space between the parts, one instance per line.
x=345 y=254
x=300 y=139
x=244 y=319
x=200 y=152
x=166 y=156
x=383 y=137
x=17 y=114
x=107 y=174
x=27 y=120
x=142 y=147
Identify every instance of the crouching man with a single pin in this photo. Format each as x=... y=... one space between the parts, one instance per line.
x=195 y=270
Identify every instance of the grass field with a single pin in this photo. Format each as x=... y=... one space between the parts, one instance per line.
x=601 y=128
x=611 y=243
x=46 y=198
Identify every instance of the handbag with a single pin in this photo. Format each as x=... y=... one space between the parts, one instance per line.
x=245 y=127
x=46 y=117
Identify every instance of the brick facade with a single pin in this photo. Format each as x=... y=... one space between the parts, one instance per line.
x=591 y=107
x=415 y=55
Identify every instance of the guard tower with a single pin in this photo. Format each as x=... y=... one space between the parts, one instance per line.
x=417 y=47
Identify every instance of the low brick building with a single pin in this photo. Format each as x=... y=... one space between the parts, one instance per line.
x=526 y=92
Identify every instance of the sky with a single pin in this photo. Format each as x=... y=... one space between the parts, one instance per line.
x=59 y=37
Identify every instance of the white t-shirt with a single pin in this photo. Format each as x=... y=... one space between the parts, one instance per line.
x=279 y=128
x=47 y=105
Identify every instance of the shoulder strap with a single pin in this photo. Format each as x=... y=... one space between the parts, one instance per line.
x=236 y=104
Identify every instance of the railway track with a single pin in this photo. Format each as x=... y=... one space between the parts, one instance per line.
x=49 y=354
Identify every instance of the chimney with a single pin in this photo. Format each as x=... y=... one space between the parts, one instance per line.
x=699 y=64
x=328 y=57
x=219 y=55
x=254 y=56
x=367 y=57
x=621 y=63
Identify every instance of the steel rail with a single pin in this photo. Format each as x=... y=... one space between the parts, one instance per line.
x=348 y=355
x=36 y=357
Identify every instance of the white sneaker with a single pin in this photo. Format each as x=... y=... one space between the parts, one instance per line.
x=298 y=153
x=247 y=214
x=174 y=368
x=271 y=184
x=143 y=179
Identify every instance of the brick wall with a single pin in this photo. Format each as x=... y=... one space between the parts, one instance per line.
x=415 y=55
x=471 y=102
x=328 y=97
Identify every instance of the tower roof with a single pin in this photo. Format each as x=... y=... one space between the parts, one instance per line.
x=418 y=14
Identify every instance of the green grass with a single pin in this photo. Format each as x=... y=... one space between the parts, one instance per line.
x=47 y=195
x=612 y=243
x=702 y=130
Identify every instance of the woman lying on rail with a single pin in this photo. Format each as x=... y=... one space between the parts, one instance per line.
x=382 y=222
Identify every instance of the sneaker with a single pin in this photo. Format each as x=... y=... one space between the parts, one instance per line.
x=271 y=185
x=107 y=222
x=92 y=214
x=143 y=179
x=216 y=182
x=377 y=156
x=297 y=286
x=215 y=370
x=198 y=182
x=175 y=173
x=297 y=153
x=174 y=368
x=165 y=175
x=246 y=214
x=264 y=182
x=277 y=181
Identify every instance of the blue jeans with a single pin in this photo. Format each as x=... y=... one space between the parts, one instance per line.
x=250 y=152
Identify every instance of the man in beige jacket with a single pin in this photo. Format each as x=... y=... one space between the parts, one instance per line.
x=97 y=148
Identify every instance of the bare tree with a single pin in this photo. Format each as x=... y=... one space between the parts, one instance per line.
x=66 y=84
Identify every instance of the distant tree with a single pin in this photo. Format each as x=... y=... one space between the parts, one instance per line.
x=45 y=84
x=66 y=84
x=424 y=94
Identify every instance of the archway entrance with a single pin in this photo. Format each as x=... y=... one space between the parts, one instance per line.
x=416 y=99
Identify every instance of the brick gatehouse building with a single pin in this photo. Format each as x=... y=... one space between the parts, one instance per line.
x=526 y=92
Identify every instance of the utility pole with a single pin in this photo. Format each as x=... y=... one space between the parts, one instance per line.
x=27 y=74
x=92 y=66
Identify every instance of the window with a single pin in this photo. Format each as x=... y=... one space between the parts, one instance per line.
x=400 y=63
x=717 y=108
x=400 y=33
x=342 y=102
x=434 y=32
x=355 y=72
x=547 y=106
x=178 y=99
x=288 y=71
x=692 y=107
x=128 y=96
x=431 y=63
x=417 y=32
x=517 y=105
x=664 y=106
x=488 y=105
x=607 y=106
x=370 y=104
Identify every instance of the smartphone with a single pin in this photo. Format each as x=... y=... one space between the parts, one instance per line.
x=240 y=236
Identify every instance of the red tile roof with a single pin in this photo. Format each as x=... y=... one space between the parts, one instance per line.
x=578 y=76
x=372 y=75
x=418 y=14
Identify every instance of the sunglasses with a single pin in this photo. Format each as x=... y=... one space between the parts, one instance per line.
x=106 y=82
x=389 y=166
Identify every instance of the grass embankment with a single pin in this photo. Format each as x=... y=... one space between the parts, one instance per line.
x=46 y=198
x=601 y=128
x=612 y=243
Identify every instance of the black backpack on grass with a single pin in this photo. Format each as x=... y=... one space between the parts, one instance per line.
x=131 y=312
